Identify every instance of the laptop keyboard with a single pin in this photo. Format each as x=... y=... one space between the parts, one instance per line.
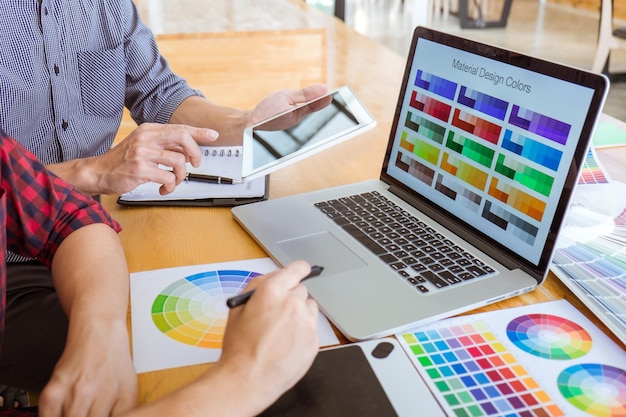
x=417 y=252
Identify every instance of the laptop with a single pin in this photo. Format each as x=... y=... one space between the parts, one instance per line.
x=482 y=159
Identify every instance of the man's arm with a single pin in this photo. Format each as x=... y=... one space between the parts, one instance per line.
x=136 y=160
x=95 y=374
x=269 y=344
x=196 y=121
x=68 y=231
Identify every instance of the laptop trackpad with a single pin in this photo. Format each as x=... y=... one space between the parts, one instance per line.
x=322 y=249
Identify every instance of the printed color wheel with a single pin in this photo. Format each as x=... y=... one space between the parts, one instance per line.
x=548 y=336
x=193 y=310
x=599 y=390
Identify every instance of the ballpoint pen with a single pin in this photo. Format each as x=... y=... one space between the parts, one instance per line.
x=210 y=179
x=243 y=298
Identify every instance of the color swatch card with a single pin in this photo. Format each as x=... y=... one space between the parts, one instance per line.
x=591 y=260
x=609 y=132
x=593 y=172
x=178 y=315
x=545 y=359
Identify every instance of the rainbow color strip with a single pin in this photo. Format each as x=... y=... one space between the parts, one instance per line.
x=474 y=374
x=548 y=336
x=592 y=172
x=193 y=310
x=599 y=390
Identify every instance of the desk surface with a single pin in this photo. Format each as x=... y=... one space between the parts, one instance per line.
x=163 y=237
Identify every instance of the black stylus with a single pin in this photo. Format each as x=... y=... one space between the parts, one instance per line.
x=243 y=298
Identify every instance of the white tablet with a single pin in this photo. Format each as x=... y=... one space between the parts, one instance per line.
x=302 y=131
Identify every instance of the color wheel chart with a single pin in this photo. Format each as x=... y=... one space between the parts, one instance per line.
x=192 y=311
x=549 y=336
x=539 y=360
x=178 y=315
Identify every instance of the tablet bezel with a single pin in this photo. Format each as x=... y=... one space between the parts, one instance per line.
x=364 y=122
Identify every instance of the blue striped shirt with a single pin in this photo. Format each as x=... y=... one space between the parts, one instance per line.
x=68 y=68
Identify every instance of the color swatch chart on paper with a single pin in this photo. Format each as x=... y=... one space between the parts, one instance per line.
x=498 y=160
x=540 y=360
x=178 y=315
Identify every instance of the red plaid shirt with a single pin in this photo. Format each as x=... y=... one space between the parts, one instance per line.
x=37 y=210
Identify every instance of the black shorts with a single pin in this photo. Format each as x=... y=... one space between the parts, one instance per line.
x=35 y=327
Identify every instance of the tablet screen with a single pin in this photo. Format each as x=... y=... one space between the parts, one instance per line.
x=302 y=131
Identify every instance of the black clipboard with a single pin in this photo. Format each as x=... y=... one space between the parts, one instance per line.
x=198 y=202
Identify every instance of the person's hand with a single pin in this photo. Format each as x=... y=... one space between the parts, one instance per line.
x=94 y=377
x=270 y=342
x=231 y=122
x=136 y=159
x=293 y=117
x=282 y=100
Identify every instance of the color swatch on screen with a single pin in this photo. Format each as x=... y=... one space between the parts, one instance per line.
x=435 y=84
x=476 y=374
x=503 y=155
x=599 y=390
x=531 y=149
x=518 y=199
x=540 y=124
x=193 y=310
x=549 y=336
x=524 y=174
x=503 y=218
x=415 y=168
x=424 y=127
x=477 y=126
x=430 y=106
x=466 y=172
x=470 y=148
x=482 y=102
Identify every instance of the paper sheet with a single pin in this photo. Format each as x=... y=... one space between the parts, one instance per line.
x=178 y=315
x=195 y=190
x=544 y=359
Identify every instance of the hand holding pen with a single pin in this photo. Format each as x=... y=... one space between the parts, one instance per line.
x=273 y=339
x=243 y=298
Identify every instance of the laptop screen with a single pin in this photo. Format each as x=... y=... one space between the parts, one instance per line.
x=488 y=137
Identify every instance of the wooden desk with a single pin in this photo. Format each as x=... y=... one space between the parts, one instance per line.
x=162 y=237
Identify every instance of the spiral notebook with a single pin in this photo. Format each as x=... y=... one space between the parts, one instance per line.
x=220 y=164
x=208 y=185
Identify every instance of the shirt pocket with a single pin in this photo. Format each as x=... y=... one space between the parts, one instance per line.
x=102 y=81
